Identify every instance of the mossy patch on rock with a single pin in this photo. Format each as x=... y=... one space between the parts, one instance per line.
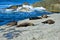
x=50 y=5
x=54 y=8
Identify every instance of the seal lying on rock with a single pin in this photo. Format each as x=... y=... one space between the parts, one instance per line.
x=44 y=16
x=49 y=22
x=25 y=24
x=12 y=23
x=35 y=18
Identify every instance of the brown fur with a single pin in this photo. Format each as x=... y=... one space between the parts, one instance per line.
x=45 y=16
x=25 y=24
x=49 y=22
x=12 y=23
x=35 y=18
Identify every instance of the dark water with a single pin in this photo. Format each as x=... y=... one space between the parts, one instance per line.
x=16 y=16
x=17 y=1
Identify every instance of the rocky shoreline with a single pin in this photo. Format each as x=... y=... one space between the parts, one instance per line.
x=39 y=31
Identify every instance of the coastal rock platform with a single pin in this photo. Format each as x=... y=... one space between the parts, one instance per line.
x=38 y=32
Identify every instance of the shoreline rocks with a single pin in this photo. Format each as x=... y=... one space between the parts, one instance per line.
x=14 y=7
x=55 y=8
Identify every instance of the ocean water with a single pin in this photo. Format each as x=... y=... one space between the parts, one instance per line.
x=16 y=16
x=6 y=3
x=17 y=1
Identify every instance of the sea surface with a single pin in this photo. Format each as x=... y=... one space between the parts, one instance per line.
x=29 y=1
x=16 y=16
x=7 y=3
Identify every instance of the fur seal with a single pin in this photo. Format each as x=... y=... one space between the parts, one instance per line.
x=12 y=23
x=25 y=24
x=35 y=18
x=49 y=22
x=44 y=16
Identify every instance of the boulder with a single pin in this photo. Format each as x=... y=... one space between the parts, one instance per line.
x=14 y=7
x=35 y=18
x=12 y=23
x=49 y=22
x=25 y=24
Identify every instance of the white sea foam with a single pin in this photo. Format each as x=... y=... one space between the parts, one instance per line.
x=9 y=10
x=25 y=8
x=39 y=8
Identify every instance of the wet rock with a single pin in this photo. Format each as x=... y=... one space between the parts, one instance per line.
x=49 y=22
x=25 y=24
x=11 y=35
x=1 y=30
x=8 y=35
x=23 y=9
x=35 y=18
x=44 y=16
x=12 y=23
x=14 y=7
